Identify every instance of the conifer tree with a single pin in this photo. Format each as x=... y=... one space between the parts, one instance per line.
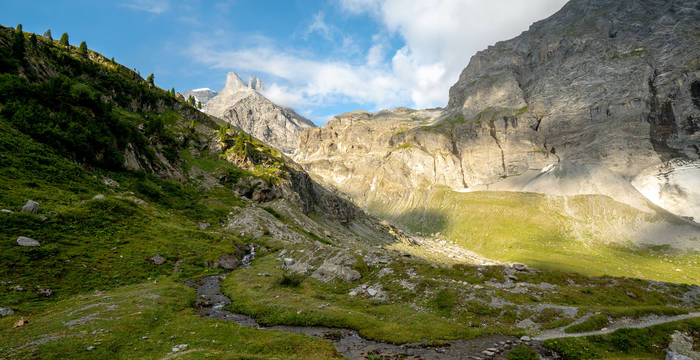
x=199 y=105
x=47 y=34
x=172 y=92
x=149 y=79
x=33 y=39
x=83 y=49
x=64 y=39
x=18 y=43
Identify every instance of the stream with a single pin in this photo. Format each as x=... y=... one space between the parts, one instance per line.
x=211 y=303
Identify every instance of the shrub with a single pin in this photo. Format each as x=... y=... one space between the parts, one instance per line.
x=291 y=279
x=522 y=352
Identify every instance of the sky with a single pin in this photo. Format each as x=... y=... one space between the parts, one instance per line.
x=320 y=57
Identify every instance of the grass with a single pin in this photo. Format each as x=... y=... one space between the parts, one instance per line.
x=647 y=343
x=553 y=233
x=272 y=303
x=145 y=321
x=595 y=322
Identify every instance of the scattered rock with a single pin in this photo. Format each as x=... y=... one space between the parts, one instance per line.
x=17 y=288
x=631 y=294
x=109 y=182
x=27 y=242
x=44 y=292
x=31 y=207
x=681 y=347
x=43 y=218
x=385 y=271
x=328 y=271
x=6 y=211
x=526 y=338
x=180 y=347
x=5 y=311
x=90 y=348
x=203 y=225
x=157 y=259
x=228 y=262
x=98 y=197
x=520 y=267
x=20 y=323
x=264 y=274
x=288 y=262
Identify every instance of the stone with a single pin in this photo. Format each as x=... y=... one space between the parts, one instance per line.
x=288 y=262
x=228 y=262
x=20 y=323
x=98 y=197
x=6 y=211
x=264 y=274
x=90 y=348
x=681 y=347
x=203 y=225
x=180 y=347
x=45 y=292
x=17 y=288
x=157 y=259
x=488 y=353
x=5 y=311
x=27 y=242
x=520 y=267
x=372 y=292
x=525 y=338
x=31 y=207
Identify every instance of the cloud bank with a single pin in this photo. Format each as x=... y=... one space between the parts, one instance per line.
x=437 y=39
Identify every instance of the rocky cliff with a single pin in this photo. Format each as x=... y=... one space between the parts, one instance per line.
x=202 y=95
x=243 y=106
x=610 y=87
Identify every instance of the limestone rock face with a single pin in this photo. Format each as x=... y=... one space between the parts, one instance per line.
x=200 y=95
x=244 y=107
x=610 y=87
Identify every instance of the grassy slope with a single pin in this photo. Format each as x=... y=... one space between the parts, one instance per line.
x=536 y=230
x=116 y=322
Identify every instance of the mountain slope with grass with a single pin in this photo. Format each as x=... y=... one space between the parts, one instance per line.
x=141 y=197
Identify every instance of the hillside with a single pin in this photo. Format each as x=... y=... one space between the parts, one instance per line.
x=166 y=233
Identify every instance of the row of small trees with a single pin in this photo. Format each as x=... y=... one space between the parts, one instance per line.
x=18 y=50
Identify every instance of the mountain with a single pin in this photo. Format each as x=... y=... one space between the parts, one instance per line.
x=607 y=87
x=133 y=225
x=202 y=95
x=244 y=107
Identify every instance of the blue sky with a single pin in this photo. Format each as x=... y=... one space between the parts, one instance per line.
x=320 y=57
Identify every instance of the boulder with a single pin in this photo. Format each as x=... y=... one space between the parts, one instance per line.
x=44 y=292
x=5 y=311
x=27 y=242
x=228 y=262
x=157 y=259
x=98 y=197
x=31 y=207
x=203 y=225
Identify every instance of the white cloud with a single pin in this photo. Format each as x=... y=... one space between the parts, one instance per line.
x=442 y=35
x=151 y=6
x=319 y=25
x=439 y=38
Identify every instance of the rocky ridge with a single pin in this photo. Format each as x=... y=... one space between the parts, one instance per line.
x=608 y=91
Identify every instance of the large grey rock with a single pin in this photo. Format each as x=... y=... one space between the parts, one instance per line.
x=27 y=242
x=681 y=348
x=31 y=207
x=5 y=311
x=228 y=262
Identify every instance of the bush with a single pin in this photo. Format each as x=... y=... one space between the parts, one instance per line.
x=522 y=352
x=291 y=279
x=445 y=301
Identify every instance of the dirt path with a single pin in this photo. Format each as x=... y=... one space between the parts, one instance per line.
x=621 y=324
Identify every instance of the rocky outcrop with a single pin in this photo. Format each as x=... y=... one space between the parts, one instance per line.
x=244 y=107
x=202 y=95
x=612 y=88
